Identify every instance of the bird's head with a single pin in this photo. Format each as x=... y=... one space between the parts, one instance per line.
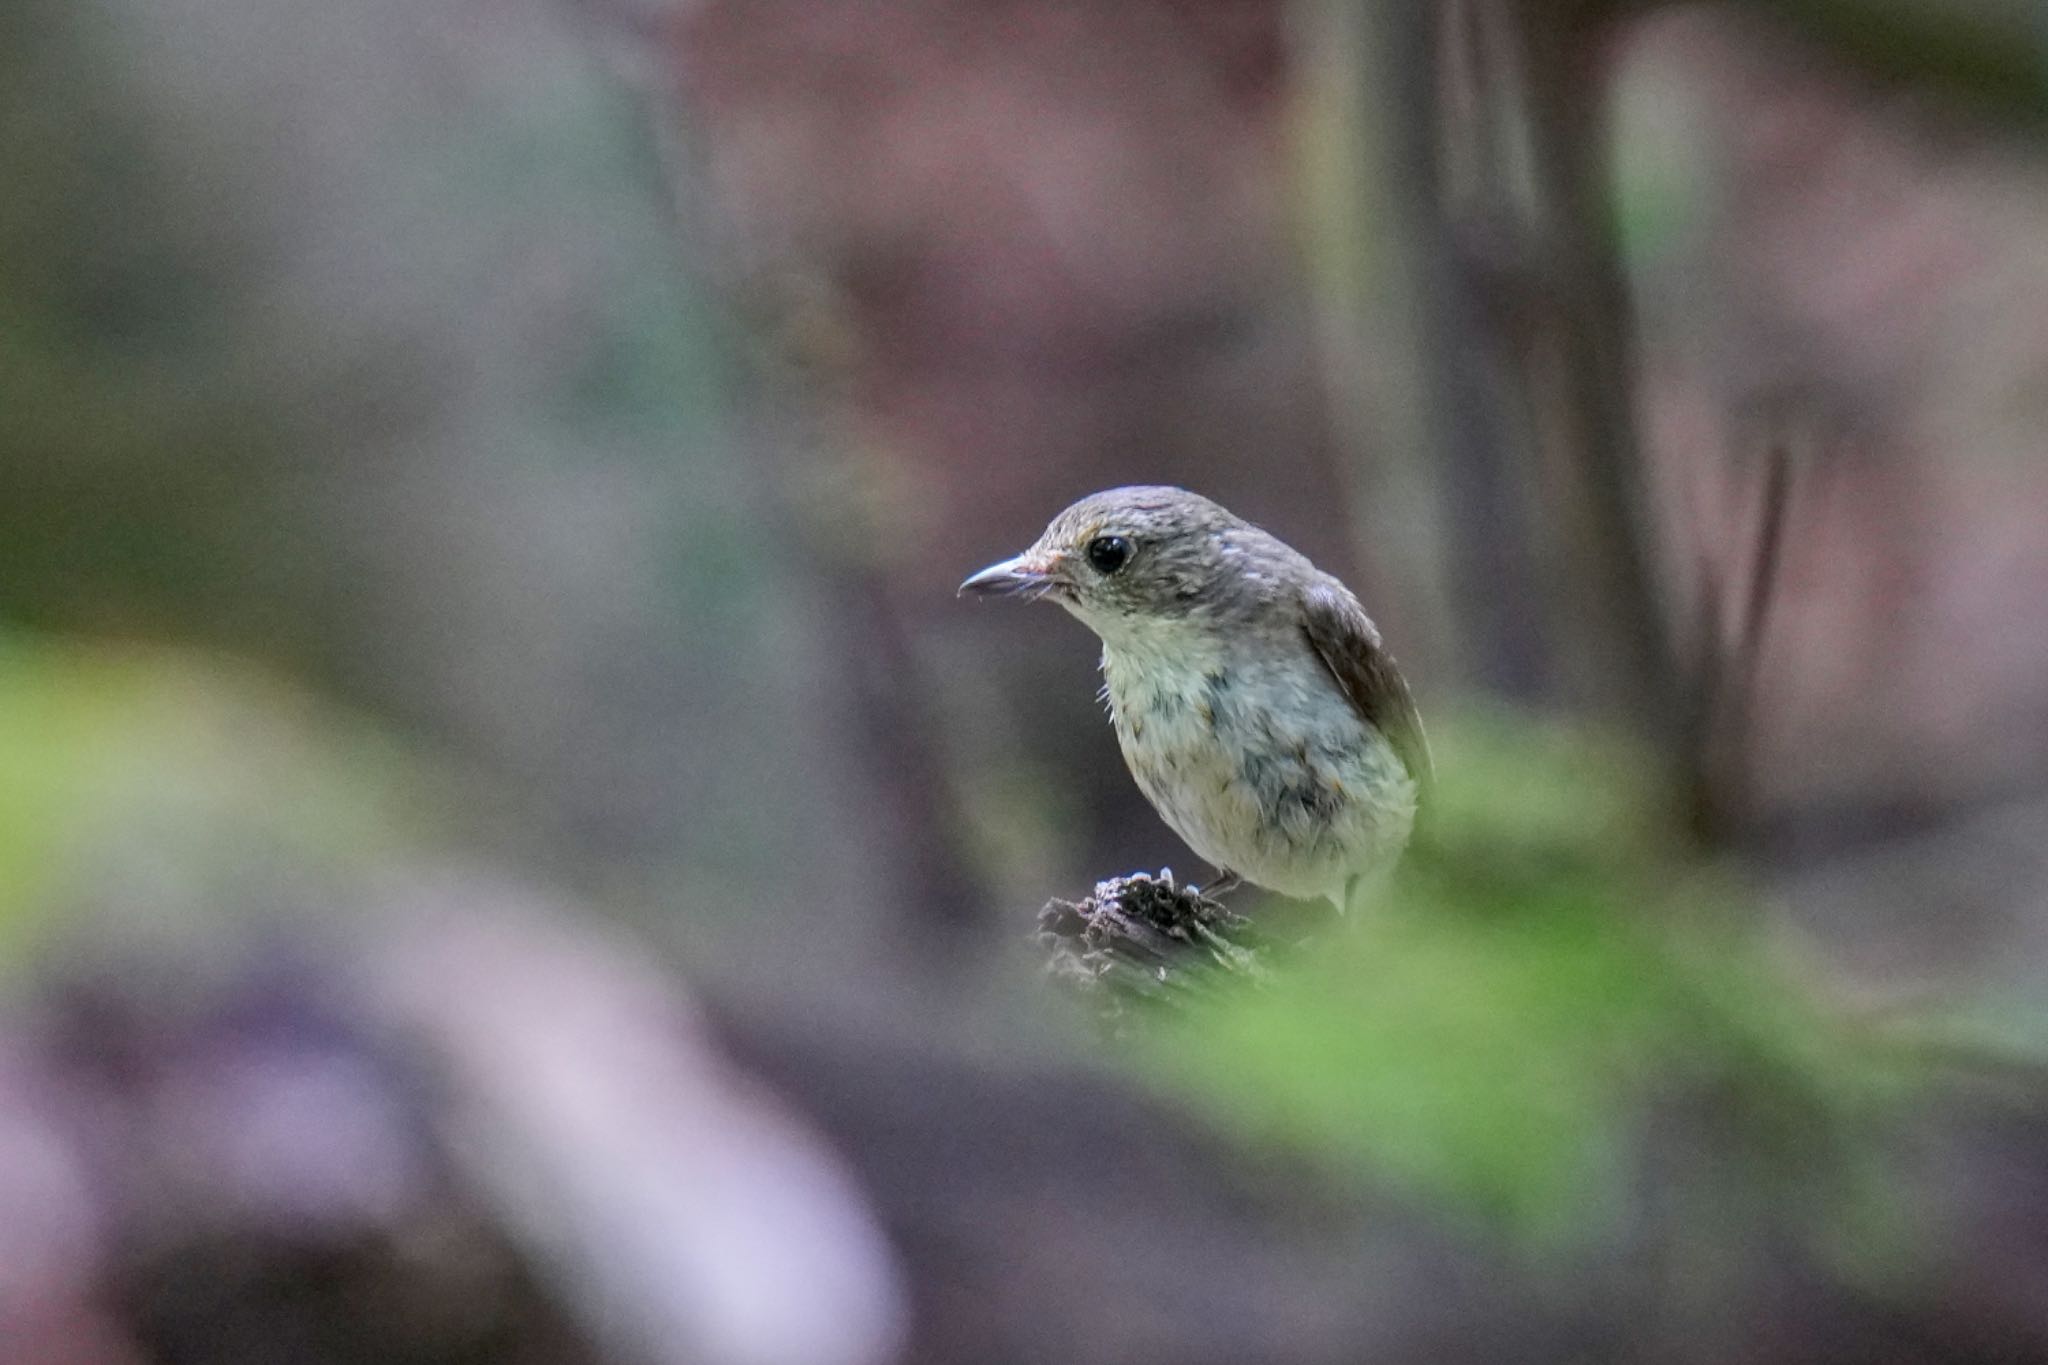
x=1129 y=556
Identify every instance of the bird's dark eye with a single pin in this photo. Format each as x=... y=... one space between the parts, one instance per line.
x=1108 y=553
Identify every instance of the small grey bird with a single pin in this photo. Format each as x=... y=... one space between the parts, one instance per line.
x=1253 y=700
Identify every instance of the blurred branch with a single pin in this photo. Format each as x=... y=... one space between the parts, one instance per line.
x=1496 y=118
x=1566 y=313
x=1493 y=125
x=1724 y=680
x=1442 y=437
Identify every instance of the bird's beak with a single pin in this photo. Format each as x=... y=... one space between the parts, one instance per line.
x=1023 y=574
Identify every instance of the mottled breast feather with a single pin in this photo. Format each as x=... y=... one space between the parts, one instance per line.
x=1348 y=643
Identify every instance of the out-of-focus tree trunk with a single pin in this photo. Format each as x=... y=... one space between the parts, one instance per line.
x=1512 y=405
x=1570 y=333
x=1435 y=489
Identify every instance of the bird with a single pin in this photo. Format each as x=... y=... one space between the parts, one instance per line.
x=1255 y=703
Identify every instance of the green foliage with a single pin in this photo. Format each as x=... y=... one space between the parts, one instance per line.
x=1550 y=988
x=185 y=767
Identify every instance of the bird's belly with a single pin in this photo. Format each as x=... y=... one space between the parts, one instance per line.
x=1267 y=772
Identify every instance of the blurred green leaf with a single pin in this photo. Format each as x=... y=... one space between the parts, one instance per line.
x=106 y=749
x=1550 y=978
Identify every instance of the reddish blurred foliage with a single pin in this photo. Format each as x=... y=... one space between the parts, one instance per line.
x=1043 y=246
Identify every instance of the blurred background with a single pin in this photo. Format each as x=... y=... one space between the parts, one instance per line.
x=511 y=850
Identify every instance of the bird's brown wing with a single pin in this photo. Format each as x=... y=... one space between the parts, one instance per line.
x=1348 y=643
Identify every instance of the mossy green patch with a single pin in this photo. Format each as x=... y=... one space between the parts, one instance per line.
x=1550 y=980
x=103 y=746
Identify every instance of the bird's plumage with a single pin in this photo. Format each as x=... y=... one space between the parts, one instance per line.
x=1349 y=645
x=1252 y=697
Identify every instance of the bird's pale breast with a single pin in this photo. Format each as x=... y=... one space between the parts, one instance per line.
x=1256 y=759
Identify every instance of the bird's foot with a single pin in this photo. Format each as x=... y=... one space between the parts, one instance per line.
x=1222 y=884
